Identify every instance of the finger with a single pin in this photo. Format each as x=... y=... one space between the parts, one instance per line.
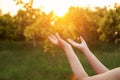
x=72 y=42
x=49 y=36
x=58 y=36
x=81 y=38
x=69 y=40
x=52 y=37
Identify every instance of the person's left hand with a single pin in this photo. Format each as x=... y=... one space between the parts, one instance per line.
x=58 y=41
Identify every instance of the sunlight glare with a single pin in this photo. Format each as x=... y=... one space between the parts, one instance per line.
x=8 y=6
x=60 y=7
x=25 y=1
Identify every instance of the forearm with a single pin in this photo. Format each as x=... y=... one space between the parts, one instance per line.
x=109 y=75
x=94 y=62
x=75 y=64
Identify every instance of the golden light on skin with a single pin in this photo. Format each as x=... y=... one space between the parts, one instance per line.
x=60 y=7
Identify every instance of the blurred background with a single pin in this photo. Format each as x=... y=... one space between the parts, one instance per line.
x=27 y=54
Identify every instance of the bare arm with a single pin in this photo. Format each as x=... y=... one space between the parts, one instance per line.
x=94 y=62
x=75 y=64
x=77 y=67
x=109 y=75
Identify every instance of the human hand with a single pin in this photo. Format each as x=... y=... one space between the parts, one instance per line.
x=81 y=46
x=58 y=41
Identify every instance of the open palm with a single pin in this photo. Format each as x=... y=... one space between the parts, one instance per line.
x=56 y=40
x=81 y=45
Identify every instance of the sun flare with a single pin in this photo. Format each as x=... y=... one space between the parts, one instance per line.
x=59 y=7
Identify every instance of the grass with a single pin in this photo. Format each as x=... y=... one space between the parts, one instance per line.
x=21 y=61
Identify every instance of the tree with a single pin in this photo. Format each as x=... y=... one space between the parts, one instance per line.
x=107 y=22
x=8 y=30
x=83 y=21
x=26 y=16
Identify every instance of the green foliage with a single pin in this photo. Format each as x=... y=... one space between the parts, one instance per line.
x=7 y=28
x=43 y=27
x=40 y=28
x=107 y=22
x=102 y=24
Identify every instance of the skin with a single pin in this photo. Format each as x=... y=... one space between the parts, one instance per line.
x=97 y=66
x=102 y=72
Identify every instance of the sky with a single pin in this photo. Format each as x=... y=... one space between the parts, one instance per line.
x=60 y=7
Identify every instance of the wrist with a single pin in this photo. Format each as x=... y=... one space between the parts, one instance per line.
x=67 y=47
x=85 y=50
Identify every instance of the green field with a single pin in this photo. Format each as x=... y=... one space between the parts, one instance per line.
x=21 y=61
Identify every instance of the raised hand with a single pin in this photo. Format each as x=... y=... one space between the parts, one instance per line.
x=92 y=59
x=75 y=64
x=58 y=41
x=77 y=68
x=81 y=46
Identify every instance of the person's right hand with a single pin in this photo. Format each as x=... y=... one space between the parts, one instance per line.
x=81 y=46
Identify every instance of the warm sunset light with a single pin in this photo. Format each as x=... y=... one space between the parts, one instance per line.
x=60 y=7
